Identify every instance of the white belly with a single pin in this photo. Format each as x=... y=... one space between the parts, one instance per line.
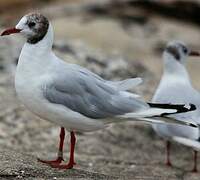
x=29 y=91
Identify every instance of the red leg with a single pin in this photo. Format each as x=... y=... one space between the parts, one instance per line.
x=168 y=145
x=71 y=162
x=60 y=150
x=195 y=162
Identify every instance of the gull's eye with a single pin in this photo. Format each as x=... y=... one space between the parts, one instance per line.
x=31 y=24
x=185 y=50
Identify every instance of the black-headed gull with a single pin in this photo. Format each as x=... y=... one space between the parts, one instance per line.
x=72 y=96
x=175 y=86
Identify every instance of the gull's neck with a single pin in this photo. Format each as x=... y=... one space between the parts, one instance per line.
x=35 y=59
x=173 y=69
x=43 y=45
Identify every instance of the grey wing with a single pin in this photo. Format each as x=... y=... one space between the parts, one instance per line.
x=89 y=95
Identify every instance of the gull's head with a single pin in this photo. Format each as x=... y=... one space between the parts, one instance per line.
x=178 y=51
x=33 y=26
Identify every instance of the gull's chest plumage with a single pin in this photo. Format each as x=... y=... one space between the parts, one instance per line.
x=28 y=84
x=30 y=78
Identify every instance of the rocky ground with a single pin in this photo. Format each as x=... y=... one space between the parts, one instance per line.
x=114 y=49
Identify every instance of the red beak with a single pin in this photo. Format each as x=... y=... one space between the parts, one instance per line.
x=10 y=31
x=194 y=53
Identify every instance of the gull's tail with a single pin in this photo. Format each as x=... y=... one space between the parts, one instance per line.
x=126 y=84
x=159 y=113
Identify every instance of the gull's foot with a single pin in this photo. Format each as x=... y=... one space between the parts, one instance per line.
x=194 y=170
x=63 y=166
x=52 y=162
x=168 y=163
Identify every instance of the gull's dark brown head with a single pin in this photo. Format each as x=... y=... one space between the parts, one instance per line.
x=179 y=51
x=34 y=26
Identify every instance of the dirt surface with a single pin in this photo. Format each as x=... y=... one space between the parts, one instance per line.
x=114 y=50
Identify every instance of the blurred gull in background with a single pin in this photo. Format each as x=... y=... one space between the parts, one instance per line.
x=175 y=87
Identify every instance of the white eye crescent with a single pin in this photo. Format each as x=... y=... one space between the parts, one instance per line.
x=22 y=23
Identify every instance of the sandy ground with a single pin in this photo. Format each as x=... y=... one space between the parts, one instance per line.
x=122 y=151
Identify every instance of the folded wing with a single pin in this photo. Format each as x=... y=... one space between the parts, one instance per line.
x=94 y=98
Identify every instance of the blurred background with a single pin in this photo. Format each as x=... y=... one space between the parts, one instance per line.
x=117 y=39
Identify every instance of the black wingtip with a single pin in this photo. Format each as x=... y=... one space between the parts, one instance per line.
x=192 y=107
x=193 y=125
x=181 y=108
